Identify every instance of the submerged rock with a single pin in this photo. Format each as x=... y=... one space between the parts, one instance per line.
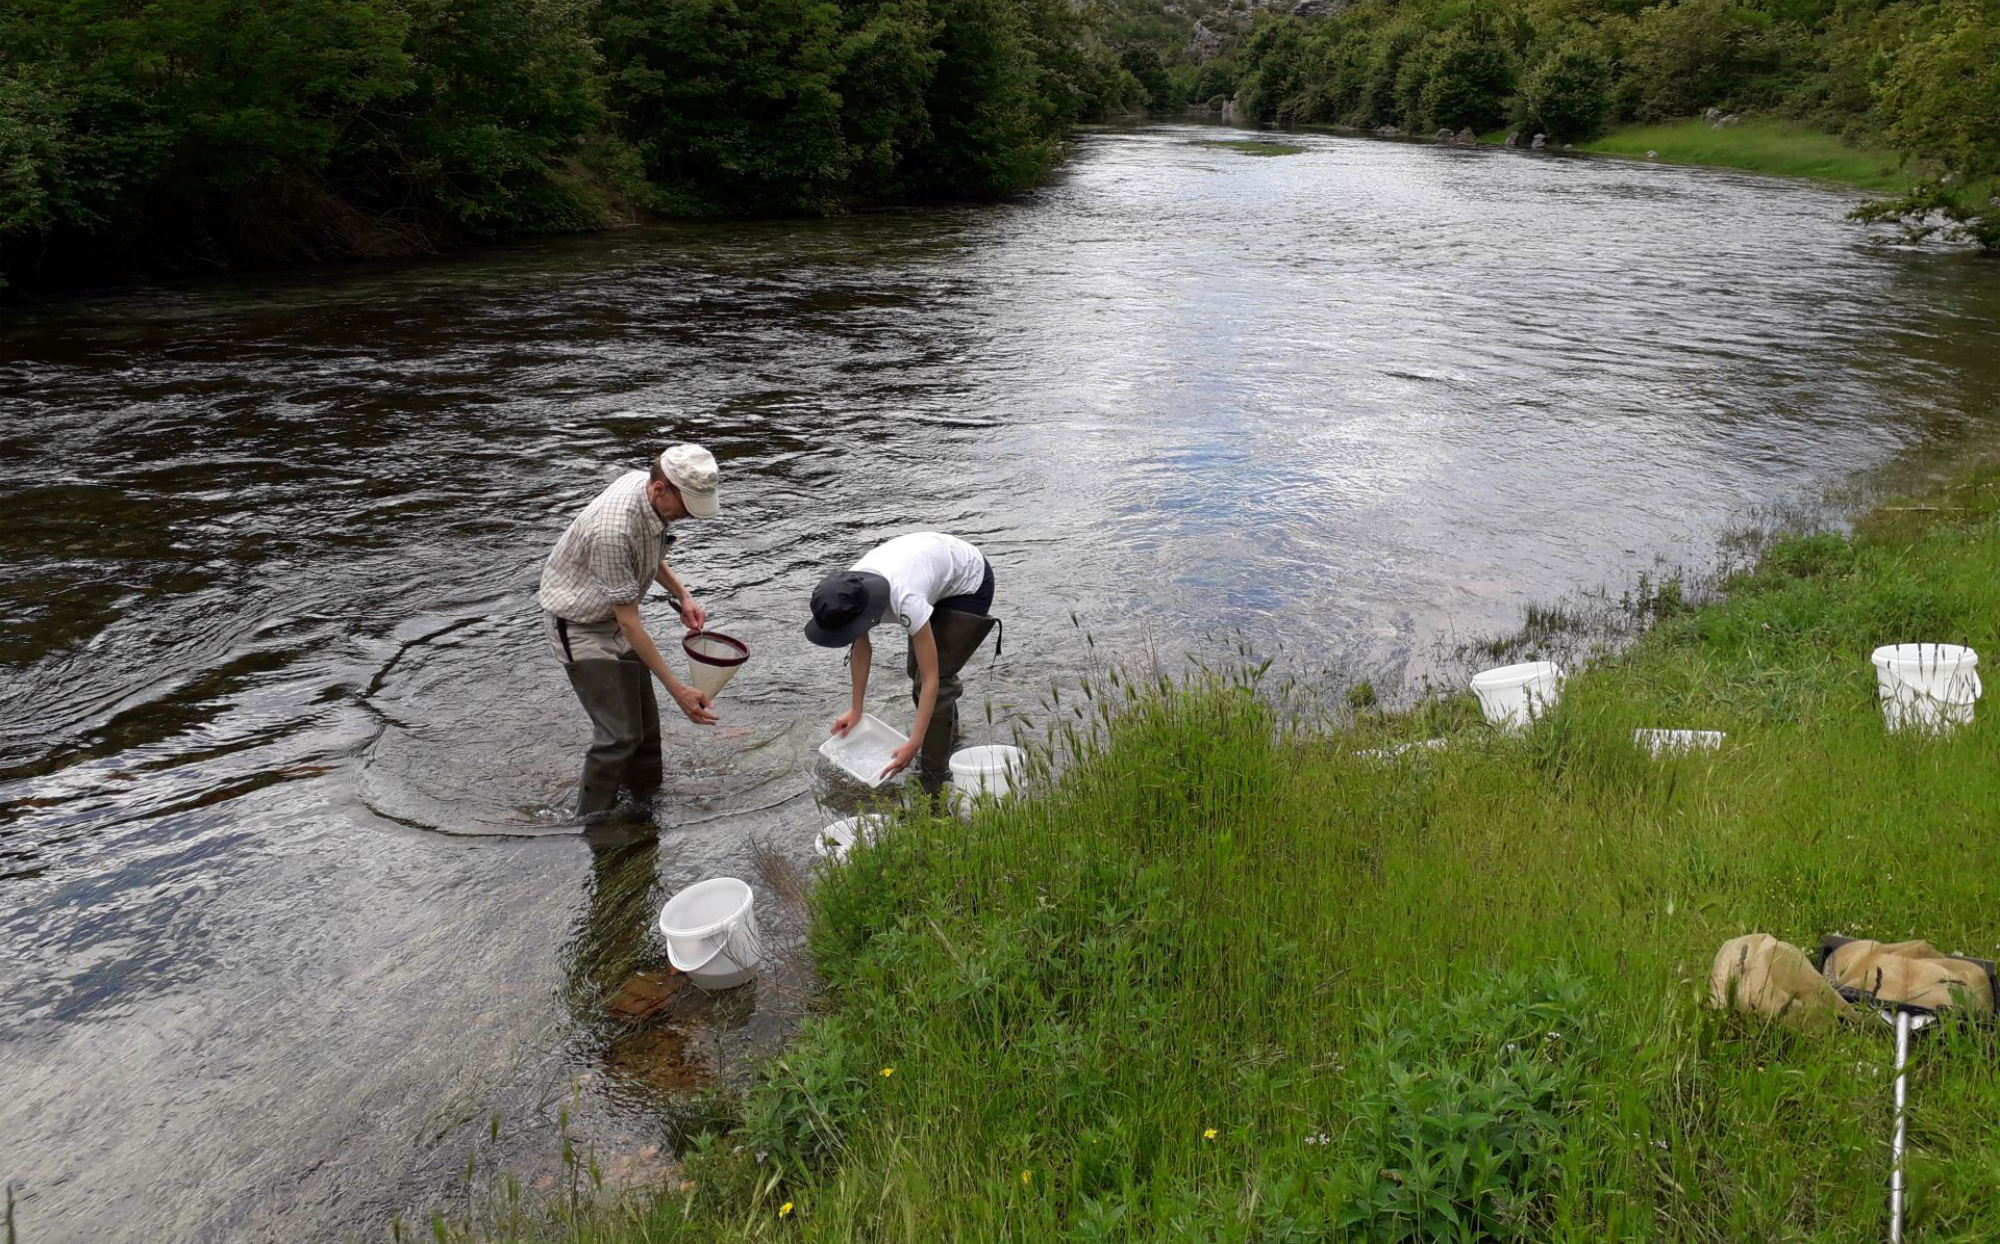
x=644 y=995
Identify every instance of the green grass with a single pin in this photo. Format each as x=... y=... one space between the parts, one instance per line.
x=1226 y=980
x=1253 y=146
x=1778 y=148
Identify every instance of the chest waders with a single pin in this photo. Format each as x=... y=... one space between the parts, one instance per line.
x=958 y=635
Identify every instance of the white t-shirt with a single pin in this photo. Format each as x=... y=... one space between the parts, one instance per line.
x=923 y=569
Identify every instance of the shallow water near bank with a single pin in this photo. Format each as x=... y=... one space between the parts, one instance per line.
x=292 y=913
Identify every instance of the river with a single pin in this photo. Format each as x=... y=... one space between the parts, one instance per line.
x=290 y=919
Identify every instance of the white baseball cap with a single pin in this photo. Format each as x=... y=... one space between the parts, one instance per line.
x=691 y=469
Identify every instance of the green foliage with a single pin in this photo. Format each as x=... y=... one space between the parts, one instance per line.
x=1461 y=1110
x=1471 y=75
x=206 y=133
x=1692 y=55
x=1568 y=95
x=1145 y=66
x=1942 y=95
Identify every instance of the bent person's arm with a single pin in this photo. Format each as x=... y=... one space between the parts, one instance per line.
x=924 y=644
x=693 y=703
x=693 y=616
x=858 y=658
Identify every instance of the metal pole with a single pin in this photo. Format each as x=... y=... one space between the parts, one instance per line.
x=1896 y=1147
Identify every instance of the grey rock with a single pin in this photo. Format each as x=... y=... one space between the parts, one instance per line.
x=1712 y=115
x=1321 y=8
x=1466 y=137
x=1731 y=120
x=1513 y=139
x=1442 y=136
x=1652 y=155
x=1388 y=131
x=1541 y=141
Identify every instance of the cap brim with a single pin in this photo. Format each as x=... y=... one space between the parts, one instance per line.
x=699 y=506
x=858 y=625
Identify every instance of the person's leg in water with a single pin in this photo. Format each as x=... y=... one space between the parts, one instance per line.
x=959 y=625
x=647 y=767
x=616 y=693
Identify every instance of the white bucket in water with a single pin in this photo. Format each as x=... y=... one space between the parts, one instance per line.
x=1514 y=695
x=711 y=931
x=835 y=840
x=990 y=770
x=1926 y=686
x=713 y=660
x=1660 y=743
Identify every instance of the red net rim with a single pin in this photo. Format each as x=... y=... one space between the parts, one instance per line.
x=742 y=649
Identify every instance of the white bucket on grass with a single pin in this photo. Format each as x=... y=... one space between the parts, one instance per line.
x=837 y=839
x=1514 y=695
x=1927 y=687
x=990 y=770
x=711 y=932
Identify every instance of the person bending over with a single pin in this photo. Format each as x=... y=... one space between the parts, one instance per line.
x=939 y=589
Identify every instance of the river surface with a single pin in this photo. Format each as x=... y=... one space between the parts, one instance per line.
x=290 y=917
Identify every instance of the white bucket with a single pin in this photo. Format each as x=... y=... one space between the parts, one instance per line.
x=1514 y=695
x=1660 y=743
x=1927 y=687
x=835 y=840
x=711 y=931
x=713 y=660
x=990 y=770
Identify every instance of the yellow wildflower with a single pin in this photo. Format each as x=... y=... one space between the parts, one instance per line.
x=1024 y=1179
x=784 y=1209
x=1209 y=1134
x=887 y=1072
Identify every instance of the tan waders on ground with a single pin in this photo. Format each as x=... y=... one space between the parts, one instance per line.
x=1910 y=985
x=958 y=636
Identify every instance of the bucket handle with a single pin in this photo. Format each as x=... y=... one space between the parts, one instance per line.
x=728 y=935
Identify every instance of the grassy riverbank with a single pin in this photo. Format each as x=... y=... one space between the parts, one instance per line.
x=1229 y=980
x=1776 y=148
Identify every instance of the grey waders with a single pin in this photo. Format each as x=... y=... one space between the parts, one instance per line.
x=625 y=724
x=958 y=635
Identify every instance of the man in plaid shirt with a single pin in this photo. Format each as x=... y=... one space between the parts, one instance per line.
x=595 y=578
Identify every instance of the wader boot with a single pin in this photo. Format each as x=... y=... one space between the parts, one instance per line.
x=625 y=724
x=958 y=636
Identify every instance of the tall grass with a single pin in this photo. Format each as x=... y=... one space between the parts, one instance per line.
x=1224 y=979
x=1779 y=148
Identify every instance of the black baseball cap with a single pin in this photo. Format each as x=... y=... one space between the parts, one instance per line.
x=844 y=605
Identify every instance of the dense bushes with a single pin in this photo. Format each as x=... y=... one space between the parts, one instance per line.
x=210 y=132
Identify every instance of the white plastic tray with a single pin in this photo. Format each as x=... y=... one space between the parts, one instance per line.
x=864 y=751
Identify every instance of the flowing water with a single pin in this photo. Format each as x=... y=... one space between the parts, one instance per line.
x=290 y=918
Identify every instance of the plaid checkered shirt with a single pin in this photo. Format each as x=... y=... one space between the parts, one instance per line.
x=607 y=557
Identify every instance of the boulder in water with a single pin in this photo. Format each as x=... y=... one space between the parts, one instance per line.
x=1541 y=141
x=1466 y=137
x=1513 y=139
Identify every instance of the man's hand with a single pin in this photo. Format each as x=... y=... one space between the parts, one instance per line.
x=900 y=759
x=693 y=616
x=845 y=722
x=694 y=704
